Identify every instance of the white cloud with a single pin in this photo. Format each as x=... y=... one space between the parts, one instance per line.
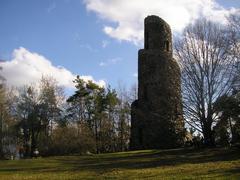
x=105 y=43
x=27 y=67
x=110 y=61
x=128 y=15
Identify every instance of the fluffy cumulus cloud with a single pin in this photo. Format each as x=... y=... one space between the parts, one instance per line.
x=127 y=15
x=27 y=67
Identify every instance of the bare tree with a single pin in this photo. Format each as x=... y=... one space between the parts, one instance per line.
x=126 y=97
x=207 y=73
x=51 y=97
x=234 y=37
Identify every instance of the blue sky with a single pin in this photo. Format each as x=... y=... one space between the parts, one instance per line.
x=97 y=39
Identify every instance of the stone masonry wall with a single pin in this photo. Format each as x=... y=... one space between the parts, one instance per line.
x=157 y=120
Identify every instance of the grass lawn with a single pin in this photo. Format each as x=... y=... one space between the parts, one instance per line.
x=146 y=164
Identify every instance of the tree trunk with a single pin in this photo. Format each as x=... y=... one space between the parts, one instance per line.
x=96 y=137
x=208 y=135
x=33 y=143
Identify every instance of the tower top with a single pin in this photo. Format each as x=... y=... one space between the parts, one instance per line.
x=157 y=34
x=155 y=19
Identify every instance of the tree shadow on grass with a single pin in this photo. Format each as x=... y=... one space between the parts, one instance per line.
x=152 y=159
x=130 y=160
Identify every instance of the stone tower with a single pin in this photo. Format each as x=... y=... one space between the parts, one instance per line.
x=156 y=117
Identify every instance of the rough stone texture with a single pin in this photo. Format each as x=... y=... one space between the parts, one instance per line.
x=156 y=117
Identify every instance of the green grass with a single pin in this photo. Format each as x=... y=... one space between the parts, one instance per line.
x=146 y=164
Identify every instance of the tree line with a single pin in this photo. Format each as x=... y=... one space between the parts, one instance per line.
x=94 y=119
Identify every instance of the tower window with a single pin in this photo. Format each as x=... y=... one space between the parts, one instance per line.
x=166 y=45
